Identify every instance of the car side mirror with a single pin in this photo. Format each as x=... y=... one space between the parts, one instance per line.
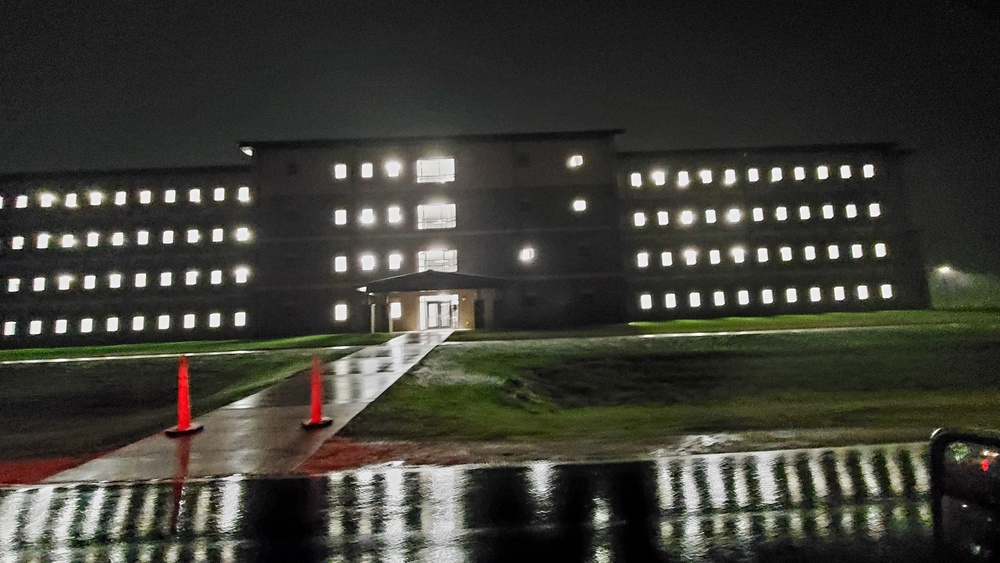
x=965 y=493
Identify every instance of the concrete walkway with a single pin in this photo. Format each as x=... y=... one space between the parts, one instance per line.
x=262 y=433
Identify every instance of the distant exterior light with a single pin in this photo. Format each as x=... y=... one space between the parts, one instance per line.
x=575 y=161
x=527 y=255
x=944 y=269
x=579 y=205
x=247 y=150
x=393 y=168
x=659 y=177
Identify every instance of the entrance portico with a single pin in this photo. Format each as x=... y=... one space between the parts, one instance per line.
x=432 y=300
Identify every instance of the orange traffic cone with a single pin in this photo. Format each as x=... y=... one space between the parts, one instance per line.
x=316 y=418
x=184 y=424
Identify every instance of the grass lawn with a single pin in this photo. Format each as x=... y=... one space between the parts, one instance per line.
x=941 y=369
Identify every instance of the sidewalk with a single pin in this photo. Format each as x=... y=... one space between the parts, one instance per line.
x=262 y=433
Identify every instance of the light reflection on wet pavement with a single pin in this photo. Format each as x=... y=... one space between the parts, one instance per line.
x=834 y=504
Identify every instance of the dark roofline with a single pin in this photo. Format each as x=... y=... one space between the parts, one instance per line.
x=847 y=147
x=16 y=176
x=493 y=137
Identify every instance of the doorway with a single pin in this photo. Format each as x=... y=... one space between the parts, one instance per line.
x=438 y=311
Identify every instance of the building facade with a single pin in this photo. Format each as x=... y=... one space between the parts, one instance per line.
x=530 y=230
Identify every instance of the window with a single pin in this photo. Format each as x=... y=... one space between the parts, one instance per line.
x=117 y=239
x=170 y=196
x=666 y=259
x=68 y=241
x=194 y=195
x=758 y=214
x=367 y=262
x=340 y=217
x=799 y=173
x=739 y=254
x=367 y=216
x=710 y=216
x=714 y=256
x=687 y=217
x=857 y=251
x=575 y=161
x=880 y=250
x=138 y=323
x=193 y=236
x=734 y=215
x=781 y=213
x=662 y=218
x=21 y=201
x=42 y=240
x=436 y=216
x=145 y=197
x=86 y=325
x=339 y=171
x=242 y=234
x=241 y=274
x=642 y=259
x=862 y=292
x=705 y=176
x=9 y=328
x=809 y=252
x=694 y=299
x=393 y=168
x=215 y=277
x=142 y=238
x=838 y=293
x=89 y=281
x=65 y=281
x=874 y=210
x=217 y=234
x=753 y=175
x=791 y=295
x=526 y=255
x=804 y=213
x=394 y=216
x=639 y=219
x=120 y=198
x=579 y=205
x=219 y=194
x=833 y=252
x=719 y=298
x=395 y=310
x=46 y=199
x=659 y=177
x=683 y=179
x=395 y=261
x=776 y=174
x=822 y=172
x=645 y=301
x=439 y=260
x=367 y=170
x=13 y=285
x=166 y=278
x=635 y=179
x=114 y=280
x=240 y=318
x=868 y=170
x=743 y=297
x=189 y=320
x=845 y=172
x=243 y=194
x=437 y=170
x=16 y=243
x=851 y=210
x=762 y=255
x=168 y=237
x=140 y=279
x=38 y=284
x=886 y=291
x=163 y=322
x=729 y=177
x=340 y=264
x=669 y=300
x=828 y=211
x=35 y=327
x=815 y=295
x=111 y=324
x=95 y=198
x=340 y=312
x=191 y=277
x=786 y=253
x=690 y=257
x=214 y=320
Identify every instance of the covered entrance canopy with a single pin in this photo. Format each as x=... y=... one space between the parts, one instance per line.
x=432 y=299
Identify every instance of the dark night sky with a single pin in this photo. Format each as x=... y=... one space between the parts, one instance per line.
x=141 y=83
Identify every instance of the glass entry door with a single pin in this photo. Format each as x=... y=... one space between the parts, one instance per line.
x=438 y=311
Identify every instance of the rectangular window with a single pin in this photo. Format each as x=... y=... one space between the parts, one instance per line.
x=758 y=214
x=776 y=174
x=120 y=198
x=694 y=299
x=719 y=298
x=739 y=254
x=114 y=281
x=215 y=277
x=851 y=210
x=21 y=201
x=786 y=253
x=111 y=324
x=340 y=264
x=880 y=250
x=395 y=261
x=240 y=318
x=886 y=290
x=705 y=176
x=868 y=170
x=16 y=243
x=645 y=301
x=815 y=295
x=635 y=179
x=71 y=201
x=95 y=198
x=395 y=310
x=662 y=218
x=367 y=170
x=666 y=259
x=86 y=326
x=242 y=234
x=874 y=210
x=65 y=281
x=142 y=238
x=340 y=217
x=38 y=284
x=435 y=170
x=714 y=256
x=140 y=279
x=168 y=237
x=710 y=216
x=862 y=292
x=828 y=211
x=743 y=297
x=762 y=255
x=436 y=216
x=243 y=194
x=191 y=277
x=42 y=240
x=781 y=213
x=734 y=215
x=809 y=252
x=845 y=171
x=166 y=278
x=339 y=171
x=13 y=285
x=89 y=281
x=857 y=251
x=729 y=177
x=145 y=197
x=163 y=322
x=340 y=312
x=838 y=293
x=68 y=241
x=683 y=179
x=170 y=196
x=639 y=219
x=219 y=194
x=799 y=173
x=214 y=320
x=670 y=301
x=217 y=235
x=394 y=215
x=193 y=236
x=439 y=260
x=659 y=177
x=690 y=257
x=35 y=328
x=833 y=252
x=367 y=216
x=9 y=328
x=118 y=239
x=189 y=320
x=241 y=274
x=367 y=262
x=753 y=175
x=804 y=213
x=138 y=323
x=687 y=217
x=642 y=259
x=93 y=239
x=791 y=295
x=194 y=195
x=822 y=172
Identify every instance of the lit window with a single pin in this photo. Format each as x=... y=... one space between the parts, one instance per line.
x=781 y=213
x=659 y=177
x=439 y=260
x=862 y=292
x=791 y=295
x=687 y=217
x=214 y=320
x=734 y=215
x=719 y=298
x=168 y=237
x=874 y=210
x=163 y=322
x=437 y=216
x=575 y=161
x=215 y=277
x=21 y=201
x=217 y=234
x=64 y=282
x=690 y=257
x=339 y=171
x=786 y=253
x=645 y=301
x=16 y=243
x=395 y=261
x=367 y=170
x=838 y=293
x=851 y=210
x=138 y=323
x=815 y=295
x=739 y=254
x=38 y=284
x=753 y=175
x=117 y=239
x=743 y=297
x=89 y=281
x=669 y=300
x=191 y=277
x=683 y=179
x=526 y=255
x=42 y=240
x=145 y=197
x=393 y=168
x=710 y=216
x=694 y=299
x=822 y=172
x=833 y=252
x=86 y=326
x=804 y=213
x=714 y=256
x=639 y=219
x=435 y=170
x=395 y=310
x=340 y=264
x=856 y=251
x=189 y=320
x=140 y=279
x=579 y=205
x=71 y=201
x=809 y=252
x=776 y=174
x=114 y=281
x=762 y=255
x=111 y=324
x=95 y=198
x=394 y=215
x=166 y=278
x=68 y=241
x=635 y=179
x=240 y=318
x=845 y=171
x=46 y=199
x=194 y=195
x=729 y=177
x=170 y=196
x=662 y=218
x=880 y=250
x=340 y=217
x=219 y=194
x=13 y=285
x=193 y=236
x=9 y=328
x=828 y=211
x=120 y=198
x=642 y=259
x=35 y=328
x=241 y=274
x=367 y=262
x=666 y=259
x=243 y=194
x=868 y=170
x=242 y=234
x=340 y=312
x=799 y=173
x=705 y=176
x=142 y=238
x=93 y=239
x=886 y=291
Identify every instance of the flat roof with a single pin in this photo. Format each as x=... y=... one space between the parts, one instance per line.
x=489 y=137
x=773 y=149
x=176 y=170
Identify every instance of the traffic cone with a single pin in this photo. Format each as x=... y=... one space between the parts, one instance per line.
x=316 y=418
x=184 y=424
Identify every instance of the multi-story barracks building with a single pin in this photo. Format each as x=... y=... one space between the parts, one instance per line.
x=477 y=231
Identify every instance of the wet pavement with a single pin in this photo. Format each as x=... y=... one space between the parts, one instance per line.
x=262 y=434
x=829 y=504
